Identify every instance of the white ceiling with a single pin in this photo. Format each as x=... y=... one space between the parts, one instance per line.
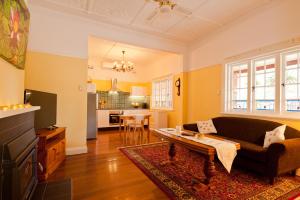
x=207 y=15
x=103 y=51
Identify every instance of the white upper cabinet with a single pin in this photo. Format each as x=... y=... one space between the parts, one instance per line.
x=138 y=91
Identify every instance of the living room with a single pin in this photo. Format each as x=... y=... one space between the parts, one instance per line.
x=239 y=66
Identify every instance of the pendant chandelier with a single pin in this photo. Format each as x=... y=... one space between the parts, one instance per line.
x=123 y=66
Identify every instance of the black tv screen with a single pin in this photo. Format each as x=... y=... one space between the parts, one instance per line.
x=46 y=116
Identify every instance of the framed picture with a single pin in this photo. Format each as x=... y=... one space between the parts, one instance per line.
x=14 y=28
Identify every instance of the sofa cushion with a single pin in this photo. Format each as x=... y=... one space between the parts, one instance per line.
x=277 y=135
x=252 y=151
x=249 y=150
x=206 y=127
x=250 y=130
x=191 y=127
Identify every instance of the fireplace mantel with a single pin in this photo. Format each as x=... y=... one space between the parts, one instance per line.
x=8 y=113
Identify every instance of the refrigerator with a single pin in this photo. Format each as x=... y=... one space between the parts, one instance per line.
x=92 y=116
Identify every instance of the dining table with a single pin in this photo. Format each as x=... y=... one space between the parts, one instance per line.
x=132 y=117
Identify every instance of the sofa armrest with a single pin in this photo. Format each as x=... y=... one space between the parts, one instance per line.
x=191 y=127
x=284 y=156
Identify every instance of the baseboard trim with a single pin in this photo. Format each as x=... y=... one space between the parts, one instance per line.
x=76 y=150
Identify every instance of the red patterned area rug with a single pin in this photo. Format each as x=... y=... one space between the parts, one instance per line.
x=176 y=179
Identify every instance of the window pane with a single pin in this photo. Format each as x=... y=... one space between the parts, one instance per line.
x=234 y=95
x=265 y=84
x=265 y=105
x=243 y=94
x=270 y=79
x=291 y=92
x=260 y=80
x=244 y=82
x=162 y=93
x=270 y=65
x=239 y=105
x=270 y=93
x=239 y=86
x=293 y=105
x=292 y=79
x=291 y=76
x=259 y=63
x=291 y=61
x=260 y=93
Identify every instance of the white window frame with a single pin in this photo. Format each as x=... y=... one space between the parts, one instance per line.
x=279 y=110
x=283 y=84
x=160 y=107
x=229 y=89
x=253 y=85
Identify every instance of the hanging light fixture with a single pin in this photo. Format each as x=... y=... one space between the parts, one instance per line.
x=123 y=66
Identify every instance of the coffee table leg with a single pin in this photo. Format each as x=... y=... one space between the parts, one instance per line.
x=209 y=168
x=172 y=152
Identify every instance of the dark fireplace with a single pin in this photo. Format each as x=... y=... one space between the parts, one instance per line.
x=18 y=150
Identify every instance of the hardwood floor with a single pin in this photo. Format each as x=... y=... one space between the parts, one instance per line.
x=105 y=173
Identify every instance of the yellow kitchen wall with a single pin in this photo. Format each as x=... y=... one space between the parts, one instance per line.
x=204 y=100
x=11 y=84
x=67 y=77
x=104 y=85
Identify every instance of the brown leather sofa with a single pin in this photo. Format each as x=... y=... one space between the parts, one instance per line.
x=277 y=159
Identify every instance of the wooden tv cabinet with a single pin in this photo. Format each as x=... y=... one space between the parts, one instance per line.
x=51 y=151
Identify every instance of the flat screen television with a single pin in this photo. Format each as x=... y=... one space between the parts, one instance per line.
x=46 y=116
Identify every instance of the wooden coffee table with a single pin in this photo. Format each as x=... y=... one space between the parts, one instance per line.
x=209 y=152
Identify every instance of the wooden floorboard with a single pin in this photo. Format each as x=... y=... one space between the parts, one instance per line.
x=105 y=173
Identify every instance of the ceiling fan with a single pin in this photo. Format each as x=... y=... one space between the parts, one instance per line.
x=167 y=6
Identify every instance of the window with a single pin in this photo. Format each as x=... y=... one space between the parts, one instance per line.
x=239 y=87
x=291 y=84
x=265 y=85
x=162 y=93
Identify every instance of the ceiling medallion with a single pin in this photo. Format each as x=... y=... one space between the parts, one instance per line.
x=123 y=66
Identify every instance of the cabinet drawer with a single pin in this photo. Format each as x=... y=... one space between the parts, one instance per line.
x=56 y=154
x=52 y=154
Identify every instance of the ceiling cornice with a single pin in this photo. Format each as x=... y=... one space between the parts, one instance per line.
x=201 y=41
x=102 y=19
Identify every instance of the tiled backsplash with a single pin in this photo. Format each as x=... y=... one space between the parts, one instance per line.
x=121 y=100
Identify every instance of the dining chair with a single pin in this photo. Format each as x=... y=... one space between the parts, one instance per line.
x=137 y=124
x=126 y=123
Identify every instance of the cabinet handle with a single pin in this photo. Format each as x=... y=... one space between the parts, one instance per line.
x=41 y=168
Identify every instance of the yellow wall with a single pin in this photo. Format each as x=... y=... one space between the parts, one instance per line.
x=11 y=84
x=105 y=85
x=204 y=100
x=67 y=77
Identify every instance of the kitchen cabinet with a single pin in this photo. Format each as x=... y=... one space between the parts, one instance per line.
x=138 y=91
x=103 y=118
